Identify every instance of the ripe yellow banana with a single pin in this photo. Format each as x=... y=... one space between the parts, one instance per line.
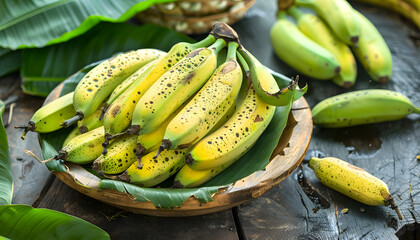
x=338 y=15
x=300 y=52
x=207 y=107
x=313 y=27
x=99 y=82
x=353 y=182
x=155 y=170
x=50 y=116
x=362 y=107
x=84 y=148
x=235 y=137
x=174 y=87
x=121 y=154
x=372 y=51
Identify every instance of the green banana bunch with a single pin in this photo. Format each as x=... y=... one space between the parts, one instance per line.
x=207 y=107
x=339 y=16
x=50 y=116
x=353 y=182
x=235 y=137
x=99 y=82
x=300 y=52
x=120 y=114
x=362 y=107
x=313 y=27
x=174 y=87
x=372 y=51
x=121 y=154
x=155 y=170
x=83 y=148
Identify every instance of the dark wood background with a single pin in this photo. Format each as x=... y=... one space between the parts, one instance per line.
x=387 y=150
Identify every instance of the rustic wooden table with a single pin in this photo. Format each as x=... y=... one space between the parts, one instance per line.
x=387 y=150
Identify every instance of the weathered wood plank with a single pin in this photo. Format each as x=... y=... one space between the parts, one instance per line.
x=387 y=150
x=125 y=225
x=28 y=175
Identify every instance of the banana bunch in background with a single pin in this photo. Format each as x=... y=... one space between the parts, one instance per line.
x=146 y=115
x=322 y=45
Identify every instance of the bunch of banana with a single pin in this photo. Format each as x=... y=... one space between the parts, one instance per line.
x=353 y=182
x=362 y=107
x=144 y=114
x=317 y=45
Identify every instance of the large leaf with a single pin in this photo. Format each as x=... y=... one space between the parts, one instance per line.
x=24 y=222
x=36 y=23
x=45 y=68
x=6 y=182
x=10 y=61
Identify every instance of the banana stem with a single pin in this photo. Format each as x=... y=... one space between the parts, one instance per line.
x=218 y=45
x=166 y=144
x=231 y=54
x=79 y=116
x=26 y=128
x=140 y=150
x=205 y=42
x=395 y=207
x=295 y=12
x=242 y=61
x=281 y=15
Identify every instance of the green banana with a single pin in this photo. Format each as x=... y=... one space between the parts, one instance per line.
x=362 y=107
x=372 y=51
x=99 y=82
x=265 y=84
x=75 y=132
x=235 y=137
x=339 y=16
x=207 y=107
x=313 y=27
x=155 y=170
x=121 y=154
x=353 y=182
x=302 y=53
x=84 y=148
x=50 y=116
x=93 y=121
x=174 y=87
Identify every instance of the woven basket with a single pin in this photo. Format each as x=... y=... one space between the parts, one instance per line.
x=195 y=16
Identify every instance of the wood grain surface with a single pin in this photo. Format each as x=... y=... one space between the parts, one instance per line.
x=299 y=207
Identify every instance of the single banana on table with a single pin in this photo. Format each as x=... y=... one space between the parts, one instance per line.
x=174 y=87
x=84 y=148
x=362 y=107
x=119 y=115
x=207 y=107
x=339 y=16
x=99 y=82
x=314 y=27
x=155 y=170
x=50 y=116
x=300 y=52
x=353 y=182
x=372 y=51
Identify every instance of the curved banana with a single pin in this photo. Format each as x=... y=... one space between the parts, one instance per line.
x=353 y=182
x=84 y=148
x=362 y=107
x=372 y=51
x=235 y=137
x=99 y=82
x=189 y=178
x=50 y=116
x=339 y=16
x=313 y=27
x=121 y=154
x=300 y=52
x=93 y=121
x=207 y=107
x=174 y=87
x=155 y=170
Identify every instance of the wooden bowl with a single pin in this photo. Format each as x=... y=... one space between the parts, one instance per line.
x=288 y=154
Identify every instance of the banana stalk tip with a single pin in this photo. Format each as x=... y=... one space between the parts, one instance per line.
x=124 y=177
x=189 y=160
x=383 y=79
x=79 y=116
x=355 y=41
x=177 y=184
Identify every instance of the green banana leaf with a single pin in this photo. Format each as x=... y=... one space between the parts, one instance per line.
x=34 y=23
x=6 y=182
x=45 y=68
x=24 y=222
x=10 y=61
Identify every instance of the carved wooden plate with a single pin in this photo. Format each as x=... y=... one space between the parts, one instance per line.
x=288 y=154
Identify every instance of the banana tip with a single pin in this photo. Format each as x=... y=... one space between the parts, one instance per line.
x=124 y=177
x=177 y=184
x=383 y=79
x=189 y=160
x=354 y=40
x=347 y=84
